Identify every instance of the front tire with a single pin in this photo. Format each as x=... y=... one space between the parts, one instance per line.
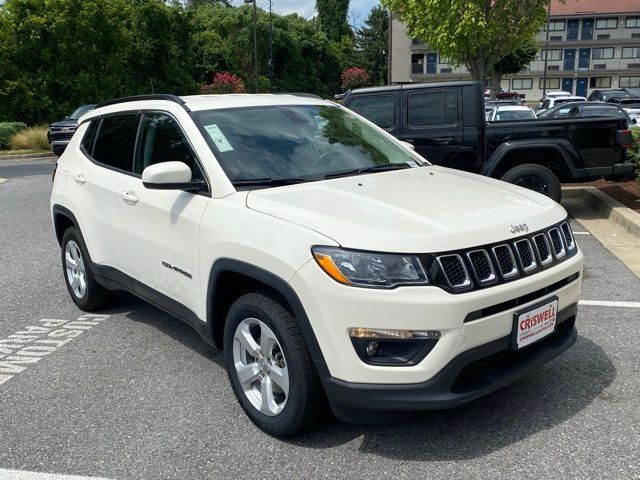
x=537 y=178
x=269 y=366
x=85 y=292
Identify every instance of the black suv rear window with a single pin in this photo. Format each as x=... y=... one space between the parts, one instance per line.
x=115 y=141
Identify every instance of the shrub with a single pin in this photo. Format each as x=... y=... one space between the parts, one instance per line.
x=224 y=82
x=633 y=154
x=354 y=77
x=32 y=138
x=8 y=130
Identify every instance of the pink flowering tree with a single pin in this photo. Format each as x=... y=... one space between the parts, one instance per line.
x=354 y=77
x=223 y=82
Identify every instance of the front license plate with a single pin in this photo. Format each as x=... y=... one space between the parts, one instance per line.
x=534 y=324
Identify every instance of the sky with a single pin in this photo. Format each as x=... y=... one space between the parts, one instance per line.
x=358 y=10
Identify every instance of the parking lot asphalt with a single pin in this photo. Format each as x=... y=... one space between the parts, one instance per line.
x=137 y=395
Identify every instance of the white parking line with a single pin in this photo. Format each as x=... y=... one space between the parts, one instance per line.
x=22 y=475
x=2 y=180
x=581 y=233
x=598 y=303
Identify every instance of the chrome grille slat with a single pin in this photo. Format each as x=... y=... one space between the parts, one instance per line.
x=455 y=271
x=543 y=248
x=482 y=267
x=469 y=269
x=558 y=245
x=524 y=250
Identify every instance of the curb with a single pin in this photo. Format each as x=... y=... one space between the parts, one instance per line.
x=606 y=206
x=28 y=156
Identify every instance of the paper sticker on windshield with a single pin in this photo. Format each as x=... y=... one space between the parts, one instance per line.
x=218 y=138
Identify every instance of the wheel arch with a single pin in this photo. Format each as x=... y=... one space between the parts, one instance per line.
x=555 y=155
x=229 y=279
x=63 y=218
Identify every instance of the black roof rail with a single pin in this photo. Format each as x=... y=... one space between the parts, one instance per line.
x=157 y=96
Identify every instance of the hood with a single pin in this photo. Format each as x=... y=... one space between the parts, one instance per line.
x=417 y=210
x=67 y=122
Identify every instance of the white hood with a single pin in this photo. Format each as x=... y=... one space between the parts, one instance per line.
x=417 y=210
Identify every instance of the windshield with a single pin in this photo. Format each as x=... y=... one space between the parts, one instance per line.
x=303 y=142
x=78 y=112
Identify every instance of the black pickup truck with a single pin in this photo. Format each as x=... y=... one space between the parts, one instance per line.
x=445 y=122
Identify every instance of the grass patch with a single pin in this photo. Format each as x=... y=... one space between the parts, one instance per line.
x=32 y=138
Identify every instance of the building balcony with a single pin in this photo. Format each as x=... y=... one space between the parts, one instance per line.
x=582 y=66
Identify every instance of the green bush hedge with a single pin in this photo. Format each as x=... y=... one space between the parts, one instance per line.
x=8 y=130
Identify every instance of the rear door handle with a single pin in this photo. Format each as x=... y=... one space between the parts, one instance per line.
x=444 y=140
x=79 y=178
x=129 y=197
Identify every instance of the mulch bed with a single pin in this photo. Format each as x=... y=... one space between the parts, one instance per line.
x=626 y=192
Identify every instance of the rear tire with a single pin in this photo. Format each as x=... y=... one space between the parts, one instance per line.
x=85 y=292
x=269 y=366
x=537 y=178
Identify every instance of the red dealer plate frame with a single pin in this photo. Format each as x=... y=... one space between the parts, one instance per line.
x=523 y=335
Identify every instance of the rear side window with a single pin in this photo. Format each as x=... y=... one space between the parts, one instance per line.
x=90 y=137
x=434 y=108
x=114 y=143
x=602 y=112
x=162 y=141
x=379 y=110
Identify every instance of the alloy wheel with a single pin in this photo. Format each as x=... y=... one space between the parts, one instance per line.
x=74 y=266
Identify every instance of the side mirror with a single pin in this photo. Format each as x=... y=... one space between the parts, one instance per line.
x=170 y=176
x=410 y=146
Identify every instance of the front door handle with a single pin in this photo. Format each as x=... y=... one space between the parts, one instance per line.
x=444 y=140
x=129 y=197
x=80 y=178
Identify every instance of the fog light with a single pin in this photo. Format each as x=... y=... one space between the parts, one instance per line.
x=372 y=348
x=394 y=334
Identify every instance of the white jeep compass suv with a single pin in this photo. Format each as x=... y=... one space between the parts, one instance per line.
x=324 y=256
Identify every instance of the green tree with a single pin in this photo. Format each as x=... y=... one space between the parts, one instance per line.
x=372 y=43
x=513 y=63
x=474 y=33
x=332 y=18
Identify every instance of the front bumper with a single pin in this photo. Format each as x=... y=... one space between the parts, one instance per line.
x=59 y=146
x=470 y=375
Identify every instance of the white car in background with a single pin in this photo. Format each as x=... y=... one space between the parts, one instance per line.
x=507 y=113
x=632 y=107
x=554 y=94
x=555 y=101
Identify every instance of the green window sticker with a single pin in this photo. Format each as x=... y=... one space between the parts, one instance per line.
x=218 y=138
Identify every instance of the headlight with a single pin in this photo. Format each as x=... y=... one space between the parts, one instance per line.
x=367 y=269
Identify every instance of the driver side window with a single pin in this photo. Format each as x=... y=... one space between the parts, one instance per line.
x=161 y=140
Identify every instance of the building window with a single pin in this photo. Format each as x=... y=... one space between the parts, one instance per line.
x=600 y=82
x=522 y=84
x=552 y=83
x=632 y=22
x=602 y=53
x=631 y=52
x=604 y=23
x=629 y=82
x=553 y=54
x=556 y=25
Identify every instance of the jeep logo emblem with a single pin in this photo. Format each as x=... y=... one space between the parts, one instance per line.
x=519 y=228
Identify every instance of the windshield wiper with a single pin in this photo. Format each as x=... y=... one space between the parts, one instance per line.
x=375 y=168
x=269 y=182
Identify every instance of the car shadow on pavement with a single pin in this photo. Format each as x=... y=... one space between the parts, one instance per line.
x=540 y=401
x=140 y=311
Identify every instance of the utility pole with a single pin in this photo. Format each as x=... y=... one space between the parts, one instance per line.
x=546 y=53
x=389 y=47
x=255 y=42
x=271 y=66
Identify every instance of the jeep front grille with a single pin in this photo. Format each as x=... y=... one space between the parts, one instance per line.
x=464 y=270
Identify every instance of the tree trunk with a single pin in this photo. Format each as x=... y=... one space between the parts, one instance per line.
x=494 y=83
x=478 y=70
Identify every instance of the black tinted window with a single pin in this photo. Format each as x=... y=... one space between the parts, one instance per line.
x=437 y=108
x=114 y=144
x=90 y=136
x=602 y=112
x=379 y=110
x=162 y=141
